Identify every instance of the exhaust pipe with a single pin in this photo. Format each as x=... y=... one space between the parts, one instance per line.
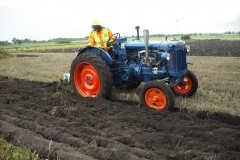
x=137 y=28
x=146 y=40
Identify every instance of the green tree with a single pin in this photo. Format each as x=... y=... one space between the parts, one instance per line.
x=14 y=40
x=185 y=37
x=4 y=43
x=19 y=41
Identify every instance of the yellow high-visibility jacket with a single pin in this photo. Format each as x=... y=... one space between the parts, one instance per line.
x=99 y=39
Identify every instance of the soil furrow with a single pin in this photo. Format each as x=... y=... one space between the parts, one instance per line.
x=44 y=147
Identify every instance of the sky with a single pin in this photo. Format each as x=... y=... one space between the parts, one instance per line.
x=48 y=19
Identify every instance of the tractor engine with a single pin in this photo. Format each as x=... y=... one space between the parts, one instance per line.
x=149 y=60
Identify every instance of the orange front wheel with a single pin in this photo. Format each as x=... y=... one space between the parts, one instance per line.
x=187 y=86
x=155 y=98
x=157 y=95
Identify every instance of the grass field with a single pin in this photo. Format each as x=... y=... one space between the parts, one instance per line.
x=40 y=47
x=10 y=152
x=218 y=78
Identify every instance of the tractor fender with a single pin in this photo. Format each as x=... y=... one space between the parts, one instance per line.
x=98 y=51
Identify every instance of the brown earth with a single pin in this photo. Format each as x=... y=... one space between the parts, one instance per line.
x=55 y=123
x=215 y=47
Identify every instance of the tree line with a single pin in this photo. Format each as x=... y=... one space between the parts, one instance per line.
x=17 y=41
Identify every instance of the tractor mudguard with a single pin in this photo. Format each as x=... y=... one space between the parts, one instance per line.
x=98 y=51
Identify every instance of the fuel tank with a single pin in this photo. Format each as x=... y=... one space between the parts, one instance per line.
x=154 y=45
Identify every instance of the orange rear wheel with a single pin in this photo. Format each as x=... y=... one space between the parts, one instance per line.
x=90 y=76
x=87 y=80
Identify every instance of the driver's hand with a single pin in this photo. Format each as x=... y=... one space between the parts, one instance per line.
x=109 y=44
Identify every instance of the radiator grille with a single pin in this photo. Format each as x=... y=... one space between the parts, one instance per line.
x=178 y=63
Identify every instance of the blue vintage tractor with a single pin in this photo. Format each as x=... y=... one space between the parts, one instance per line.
x=161 y=65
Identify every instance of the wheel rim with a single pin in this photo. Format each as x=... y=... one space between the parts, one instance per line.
x=87 y=80
x=185 y=86
x=155 y=98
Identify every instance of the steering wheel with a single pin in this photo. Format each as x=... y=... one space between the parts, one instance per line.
x=115 y=36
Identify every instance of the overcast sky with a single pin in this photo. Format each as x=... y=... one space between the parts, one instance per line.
x=47 y=19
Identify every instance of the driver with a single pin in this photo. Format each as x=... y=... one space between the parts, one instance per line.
x=99 y=37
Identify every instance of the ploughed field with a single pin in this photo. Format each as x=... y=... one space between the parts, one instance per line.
x=64 y=126
x=211 y=47
x=215 y=47
x=57 y=124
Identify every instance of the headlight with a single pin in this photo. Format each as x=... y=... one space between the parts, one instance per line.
x=165 y=56
x=188 y=48
x=168 y=56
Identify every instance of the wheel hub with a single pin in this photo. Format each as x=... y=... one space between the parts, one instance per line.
x=155 y=99
x=89 y=80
